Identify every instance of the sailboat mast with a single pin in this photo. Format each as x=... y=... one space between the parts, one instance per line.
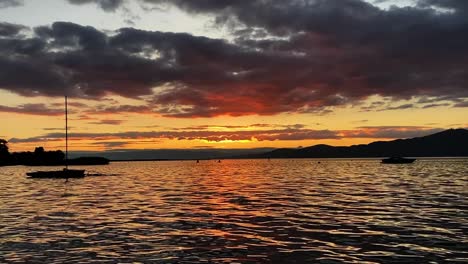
x=66 y=133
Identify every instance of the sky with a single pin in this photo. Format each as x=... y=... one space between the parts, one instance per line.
x=184 y=74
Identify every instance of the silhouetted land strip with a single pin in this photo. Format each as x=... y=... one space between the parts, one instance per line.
x=448 y=143
x=40 y=157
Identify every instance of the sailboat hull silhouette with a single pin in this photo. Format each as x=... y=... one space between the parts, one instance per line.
x=63 y=174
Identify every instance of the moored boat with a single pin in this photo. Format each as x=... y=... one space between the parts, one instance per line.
x=398 y=160
x=65 y=173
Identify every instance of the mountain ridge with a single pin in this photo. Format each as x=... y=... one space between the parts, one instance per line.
x=451 y=142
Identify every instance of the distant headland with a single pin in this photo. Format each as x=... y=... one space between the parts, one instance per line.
x=40 y=157
x=448 y=143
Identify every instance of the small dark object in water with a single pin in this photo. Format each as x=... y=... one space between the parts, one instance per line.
x=397 y=160
x=61 y=174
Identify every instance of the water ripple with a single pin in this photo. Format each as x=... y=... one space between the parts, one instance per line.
x=239 y=211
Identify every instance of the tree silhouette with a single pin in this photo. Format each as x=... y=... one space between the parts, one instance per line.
x=4 y=153
x=3 y=146
x=41 y=157
x=39 y=151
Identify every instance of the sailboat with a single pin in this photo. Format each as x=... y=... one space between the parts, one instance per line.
x=65 y=173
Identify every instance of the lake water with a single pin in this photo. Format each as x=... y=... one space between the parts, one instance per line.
x=239 y=211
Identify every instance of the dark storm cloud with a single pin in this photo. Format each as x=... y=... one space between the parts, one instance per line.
x=8 y=29
x=399 y=52
x=108 y=5
x=76 y=59
x=287 y=56
x=31 y=77
x=10 y=3
x=66 y=35
x=455 y=5
x=31 y=109
x=462 y=104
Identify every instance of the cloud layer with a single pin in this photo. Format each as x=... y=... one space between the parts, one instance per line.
x=285 y=134
x=32 y=109
x=10 y=3
x=286 y=56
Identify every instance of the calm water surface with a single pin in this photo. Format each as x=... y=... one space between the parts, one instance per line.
x=239 y=211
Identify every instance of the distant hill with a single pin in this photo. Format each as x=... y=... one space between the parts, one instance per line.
x=448 y=143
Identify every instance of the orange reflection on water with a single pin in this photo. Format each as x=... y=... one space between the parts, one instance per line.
x=248 y=211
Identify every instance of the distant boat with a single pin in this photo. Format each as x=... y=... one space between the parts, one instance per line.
x=65 y=173
x=397 y=160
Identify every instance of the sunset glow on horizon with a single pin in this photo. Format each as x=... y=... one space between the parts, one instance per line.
x=153 y=74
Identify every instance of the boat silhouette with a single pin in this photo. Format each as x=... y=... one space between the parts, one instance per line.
x=66 y=172
x=397 y=160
